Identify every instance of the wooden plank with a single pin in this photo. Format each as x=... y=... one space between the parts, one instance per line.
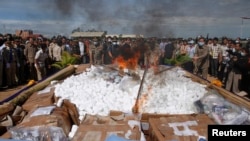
x=240 y=101
x=21 y=98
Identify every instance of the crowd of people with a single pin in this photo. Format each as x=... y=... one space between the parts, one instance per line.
x=225 y=59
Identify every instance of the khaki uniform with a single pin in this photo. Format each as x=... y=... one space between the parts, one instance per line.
x=202 y=63
x=92 y=53
x=55 y=52
x=29 y=52
x=98 y=55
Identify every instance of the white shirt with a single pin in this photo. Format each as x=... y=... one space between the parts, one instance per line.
x=191 y=51
x=57 y=53
x=1 y=48
x=162 y=46
x=224 y=49
x=41 y=57
x=215 y=50
x=81 y=45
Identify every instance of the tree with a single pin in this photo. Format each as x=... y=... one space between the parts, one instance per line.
x=67 y=59
x=78 y=29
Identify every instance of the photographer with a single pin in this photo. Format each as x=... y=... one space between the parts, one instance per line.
x=245 y=70
x=234 y=69
x=2 y=46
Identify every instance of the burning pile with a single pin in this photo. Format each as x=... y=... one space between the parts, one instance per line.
x=170 y=92
x=100 y=89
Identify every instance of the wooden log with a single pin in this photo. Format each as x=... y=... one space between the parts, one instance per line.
x=22 y=97
x=6 y=108
x=135 y=108
x=82 y=68
x=235 y=99
x=196 y=78
x=238 y=100
x=165 y=69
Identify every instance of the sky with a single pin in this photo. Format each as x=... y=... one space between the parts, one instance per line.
x=160 y=18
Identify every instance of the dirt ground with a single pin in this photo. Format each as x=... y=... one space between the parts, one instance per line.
x=5 y=93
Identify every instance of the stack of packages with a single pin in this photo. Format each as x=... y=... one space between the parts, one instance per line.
x=163 y=127
x=221 y=110
x=179 y=127
x=46 y=120
x=100 y=128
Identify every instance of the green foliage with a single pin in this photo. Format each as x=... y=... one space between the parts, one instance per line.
x=178 y=60
x=169 y=61
x=67 y=59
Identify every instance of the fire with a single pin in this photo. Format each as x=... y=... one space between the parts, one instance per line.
x=139 y=104
x=142 y=100
x=130 y=63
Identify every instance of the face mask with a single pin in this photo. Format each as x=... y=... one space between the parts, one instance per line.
x=233 y=49
x=243 y=54
x=200 y=44
x=118 y=43
x=114 y=43
x=95 y=43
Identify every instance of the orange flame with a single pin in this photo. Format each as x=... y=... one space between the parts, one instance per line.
x=139 y=104
x=130 y=63
x=142 y=100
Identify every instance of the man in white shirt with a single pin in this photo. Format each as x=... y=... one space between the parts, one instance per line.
x=162 y=48
x=189 y=66
x=40 y=60
x=1 y=60
x=57 y=53
x=81 y=45
x=223 y=60
x=55 y=50
x=214 y=51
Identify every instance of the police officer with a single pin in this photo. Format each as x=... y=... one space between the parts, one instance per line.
x=11 y=61
x=92 y=47
x=22 y=61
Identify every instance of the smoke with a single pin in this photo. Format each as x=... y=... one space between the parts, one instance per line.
x=125 y=17
x=65 y=7
x=154 y=18
x=150 y=18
